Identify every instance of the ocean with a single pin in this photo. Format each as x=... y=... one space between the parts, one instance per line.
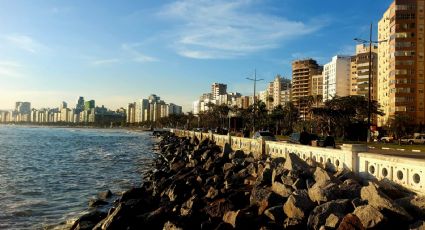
x=48 y=175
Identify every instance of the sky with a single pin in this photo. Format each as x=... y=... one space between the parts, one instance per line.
x=116 y=52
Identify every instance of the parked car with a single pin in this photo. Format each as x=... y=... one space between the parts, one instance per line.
x=388 y=139
x=419 y=139
x=264 y=135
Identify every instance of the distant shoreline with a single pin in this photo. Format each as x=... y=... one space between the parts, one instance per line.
x=73 y=126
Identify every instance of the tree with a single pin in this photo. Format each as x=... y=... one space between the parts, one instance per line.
x=399 y=125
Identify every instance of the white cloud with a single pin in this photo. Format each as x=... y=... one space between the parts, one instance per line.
x=222 y=29
x=9 y=69
x=137 y=56
x=347 y=50
x=24 y=42
x=105 y=61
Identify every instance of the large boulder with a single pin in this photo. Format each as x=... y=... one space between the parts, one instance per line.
x=350 y=222
x=264 y=198
x=370 y=216
x=415 y=205
x=296 y=165
x=275 y=214
x=383 y=203
x=88 y=221
x=321 y=193
x=230 y=217
x=190 y=206
x=320 y=213
x=217 y=208
x=281 y=189
x=349 y=189
x=333 y=221
x=322 y=177
x=298 y=205
x=418 y=225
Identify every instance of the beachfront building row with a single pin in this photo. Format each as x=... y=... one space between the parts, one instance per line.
x=84 y=112
x=150 y=109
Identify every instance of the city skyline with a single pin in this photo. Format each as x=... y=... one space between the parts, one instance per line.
x=118 y=52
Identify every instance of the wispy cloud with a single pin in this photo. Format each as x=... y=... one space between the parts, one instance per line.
x=24 y=42
x=137 y=56
x=347 y=50
x=9 y=69
x=223 y=29
x=105 y=61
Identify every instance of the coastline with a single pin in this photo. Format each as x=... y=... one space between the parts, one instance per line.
x=137 y=129
x=196 y=185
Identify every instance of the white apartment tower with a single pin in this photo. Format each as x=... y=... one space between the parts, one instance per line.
x=336 y=77
x=218 y=89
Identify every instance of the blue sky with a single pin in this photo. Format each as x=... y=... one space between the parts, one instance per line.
x=118 y=51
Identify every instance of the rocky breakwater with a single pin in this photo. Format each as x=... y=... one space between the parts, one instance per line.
x=198 y=185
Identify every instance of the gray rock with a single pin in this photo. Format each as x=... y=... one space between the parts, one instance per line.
x=226 y=151
x=349 y=189
x=322 y=177
x=293 y=224
x=369 y=216
x=415 y=205
x=97 y=202
x=350 y=222
x=382 y=202
x=295 y=164
x=189 y=206
x=275 y=214
x=252 y=170
x=320 y=193
x=88 y=221
x=171 y=226
x=333 y=221
x=320 y=213
x=212 y=193
x=392 y=190
x=227 y=167
x=298 y=205
x=238 y=154
x=418 y=225
x=299 y=184
x=105 y=195
x=230 y=217
x=281 y=189
x=264 y=198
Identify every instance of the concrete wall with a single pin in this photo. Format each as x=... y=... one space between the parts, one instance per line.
x=407 y=172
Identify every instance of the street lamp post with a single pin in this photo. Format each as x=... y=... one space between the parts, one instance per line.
x=255 y=80
x=362 y=41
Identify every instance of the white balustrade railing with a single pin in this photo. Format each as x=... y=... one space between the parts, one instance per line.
x=407 y=172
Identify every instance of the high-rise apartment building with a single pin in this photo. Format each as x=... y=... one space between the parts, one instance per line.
x=218 y=89
x=317 y=85
x=359 y=73
x=302 y=73
x=23 y=107
x=80 y=105
x=401 y=61
x=277 y=92
x=89 y=105
x=336 y=77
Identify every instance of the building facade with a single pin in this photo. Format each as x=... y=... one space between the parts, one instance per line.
x=359 y=73
x=218 y=89
x=401 y=61
x=302 y=73
x=336 y=77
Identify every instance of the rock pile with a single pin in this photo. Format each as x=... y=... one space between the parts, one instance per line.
x=198 y=185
